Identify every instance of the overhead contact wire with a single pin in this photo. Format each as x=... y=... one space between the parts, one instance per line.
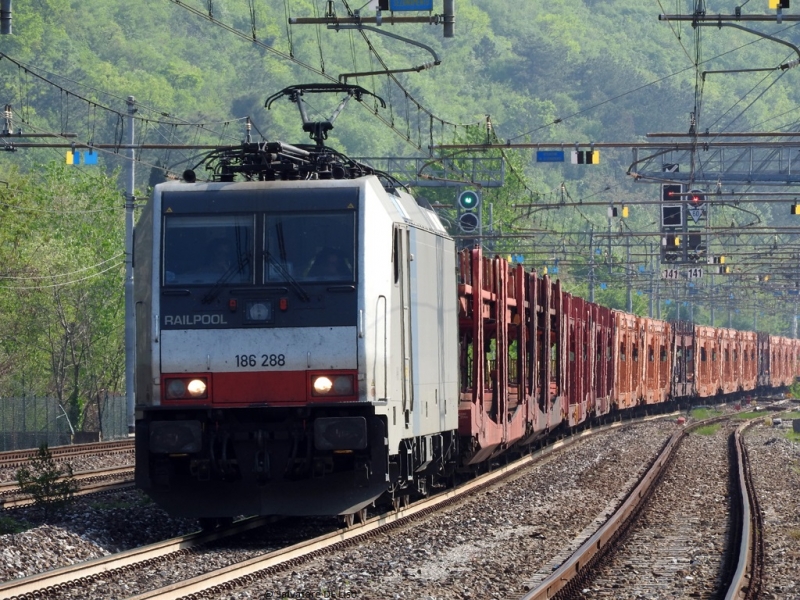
x=64 y=283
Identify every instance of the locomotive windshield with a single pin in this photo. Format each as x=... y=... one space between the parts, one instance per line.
x=208 y=250
x=296 y=247
x=309 y=247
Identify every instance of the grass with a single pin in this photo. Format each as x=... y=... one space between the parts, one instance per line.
x=792 y=436
x=120 y=504
x=9 y=525
x=704 y=413
x=708 y=429
x=794 y=534
x=753 y=414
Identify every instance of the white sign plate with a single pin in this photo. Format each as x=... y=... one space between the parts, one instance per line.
x=670 y=274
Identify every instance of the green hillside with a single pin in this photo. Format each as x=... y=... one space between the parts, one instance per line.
x=556 y=72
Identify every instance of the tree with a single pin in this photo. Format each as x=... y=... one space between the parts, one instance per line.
x=51 y=486
x=61 y=292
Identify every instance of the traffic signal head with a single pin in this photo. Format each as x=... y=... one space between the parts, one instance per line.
x=469 y=200
x=795 y=210
x=696 y=198
x=671 y=192
x=670 y=248
x=469 y=218
x=468 y=222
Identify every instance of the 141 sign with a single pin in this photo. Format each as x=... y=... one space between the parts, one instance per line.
x=691 y=273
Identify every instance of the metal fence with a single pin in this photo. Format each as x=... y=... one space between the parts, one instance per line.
x=30 y=421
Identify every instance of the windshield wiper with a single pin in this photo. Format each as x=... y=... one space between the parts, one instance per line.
x=290 y=280
x=235 y=268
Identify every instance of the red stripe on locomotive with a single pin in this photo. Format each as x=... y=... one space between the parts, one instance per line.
x=248 y=388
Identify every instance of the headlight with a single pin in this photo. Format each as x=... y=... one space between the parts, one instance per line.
x=176 y=388
x=322 y=385
x=188 y=387
x=343 y=385
x=332 y=385
x=196 y=388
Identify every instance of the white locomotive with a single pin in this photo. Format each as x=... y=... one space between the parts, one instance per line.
x=297 y=339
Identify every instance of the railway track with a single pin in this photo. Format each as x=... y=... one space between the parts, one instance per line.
x=72 y=576
x=90 y=482
x=20 y=458
x=296 y=553
x=674 y=550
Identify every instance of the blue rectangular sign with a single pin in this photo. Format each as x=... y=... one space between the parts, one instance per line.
x=549 y=156
x=410 y=4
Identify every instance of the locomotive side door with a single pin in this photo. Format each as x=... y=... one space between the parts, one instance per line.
x=402 y=274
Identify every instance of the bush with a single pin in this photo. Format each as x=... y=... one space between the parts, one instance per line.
x=9 y=525
x=52 y=486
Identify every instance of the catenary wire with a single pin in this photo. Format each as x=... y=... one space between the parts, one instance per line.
x=63 y=283
x=38 y=277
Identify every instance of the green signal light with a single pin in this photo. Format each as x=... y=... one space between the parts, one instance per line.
x=469 y=200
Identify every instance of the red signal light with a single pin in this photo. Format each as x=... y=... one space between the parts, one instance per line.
x=696 y=197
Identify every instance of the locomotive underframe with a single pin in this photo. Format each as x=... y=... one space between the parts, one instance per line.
x=269 y=461
x=262 y=460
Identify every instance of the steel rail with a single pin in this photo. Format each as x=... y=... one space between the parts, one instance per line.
x=746 y=580
x=10 y=486
x=14 y=458
x=100 y=480
x=35 y=586
x=231 y=576
x=600 y=543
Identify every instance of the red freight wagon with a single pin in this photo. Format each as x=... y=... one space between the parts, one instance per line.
x=795 y=359
x=748 y=357
x=579 y=360
x=763 y=359
x=728 y=355
x=781 y=367
x=628 y=371
x=706 y=361
x=683 y=359
x=658 y=363
x=512 y=353
x=600 y=390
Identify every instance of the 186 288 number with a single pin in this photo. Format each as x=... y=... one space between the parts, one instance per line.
x=265 y=360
